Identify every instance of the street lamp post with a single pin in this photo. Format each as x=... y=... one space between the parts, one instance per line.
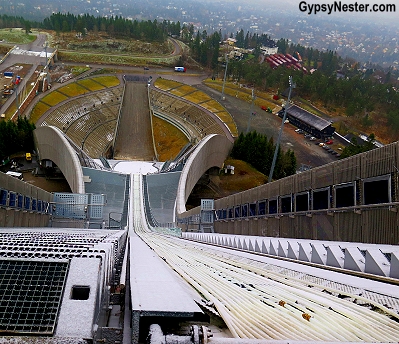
x=252 y=114
x=225 y=74
x=281 y=130
x=17 y=100
x=45 y=50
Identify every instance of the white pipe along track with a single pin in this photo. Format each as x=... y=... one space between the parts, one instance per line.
x=257 y=301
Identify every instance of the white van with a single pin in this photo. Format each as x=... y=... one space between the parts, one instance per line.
x=17 y=175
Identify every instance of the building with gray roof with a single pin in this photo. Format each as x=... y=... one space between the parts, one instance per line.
x=313 y=124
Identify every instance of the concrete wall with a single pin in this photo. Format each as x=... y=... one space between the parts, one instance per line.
x=11 y=217
x=52 y=145
x=212 y=151
x=376 y=223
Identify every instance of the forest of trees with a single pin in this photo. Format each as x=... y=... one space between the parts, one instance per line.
x=205 y=49
x=16 y=137
x=7 y=22
x=114 y=26
x=257 y=150
x=356 y=148
x=356 y=91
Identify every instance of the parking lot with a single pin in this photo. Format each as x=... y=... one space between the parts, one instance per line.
x=306 y=151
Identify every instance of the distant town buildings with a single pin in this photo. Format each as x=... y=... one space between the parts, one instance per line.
x=231 y=41
x=373 y=41
x=287 y=60
x=268 y=50
x=269 y=47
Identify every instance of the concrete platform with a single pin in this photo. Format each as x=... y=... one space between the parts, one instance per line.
x=156 y=293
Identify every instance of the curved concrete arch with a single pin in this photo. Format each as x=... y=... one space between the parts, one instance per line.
x=212 y=151
x=52 y=145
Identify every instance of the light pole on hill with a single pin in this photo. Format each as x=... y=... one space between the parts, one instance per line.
x=252 y=114
x=292 y=85
x=17 y=100
x=224 y=79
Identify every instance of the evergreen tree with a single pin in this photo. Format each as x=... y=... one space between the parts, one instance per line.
x=15 y=136
x=356 y=148
x=257 y=150
x=240 y=39
x=27 y=26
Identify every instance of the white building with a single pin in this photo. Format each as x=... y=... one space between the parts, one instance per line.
x=268 y=50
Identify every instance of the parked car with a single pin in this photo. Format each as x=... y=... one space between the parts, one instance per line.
x=299 y=131
x=312 y=138
x=17 y=175
x=329 y=142
x=266 y=108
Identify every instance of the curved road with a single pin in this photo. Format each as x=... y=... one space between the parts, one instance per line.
x=306 y=152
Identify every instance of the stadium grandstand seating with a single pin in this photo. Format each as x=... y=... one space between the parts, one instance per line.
x=166 y=102
x=193 y=116
x=90 y=120
x=175 y=93
x=99 y=139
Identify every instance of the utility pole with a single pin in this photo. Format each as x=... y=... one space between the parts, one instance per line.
x=225 y=74
x=45 y=50
x=17 y=100
x=281 y=130
x=252 y=114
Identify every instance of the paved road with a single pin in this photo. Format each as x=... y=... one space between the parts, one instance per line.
x=306 y=152
x=30 y=54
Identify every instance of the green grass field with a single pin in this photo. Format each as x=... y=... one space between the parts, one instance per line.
x=90 y=84
x=79 y=70
x=166 y=85
x=73 y=90
x=54 y=98
x=38 y=111
x=122 y=60
x=197 y=97
x=107 y=81
x=17 y=36
x=193 y=95
x=182 y=90
x=213 y=105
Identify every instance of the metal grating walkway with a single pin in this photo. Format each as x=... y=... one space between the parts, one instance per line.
x=31 y=295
